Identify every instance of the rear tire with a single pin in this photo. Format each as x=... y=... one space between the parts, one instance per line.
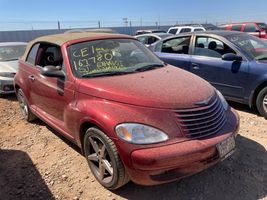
x=24 y=108
x=261 y=102
x=103 y=159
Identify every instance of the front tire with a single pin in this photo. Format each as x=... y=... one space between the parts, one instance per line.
x=261 y=102
x=103 y=159
x=24 y=108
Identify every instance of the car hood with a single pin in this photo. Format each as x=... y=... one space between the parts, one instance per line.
x=9 y=66
x=166 y=87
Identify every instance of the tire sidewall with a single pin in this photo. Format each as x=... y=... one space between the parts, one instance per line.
x=259 y=102
x=96 y=132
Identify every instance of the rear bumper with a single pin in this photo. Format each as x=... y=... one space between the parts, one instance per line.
x=171 y=162
x=6 y=86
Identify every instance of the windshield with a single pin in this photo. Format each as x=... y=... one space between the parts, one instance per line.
x=9 y=53
x=110 y=56
x=253 y=46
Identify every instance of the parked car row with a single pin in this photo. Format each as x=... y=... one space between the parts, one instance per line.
x=257 y=29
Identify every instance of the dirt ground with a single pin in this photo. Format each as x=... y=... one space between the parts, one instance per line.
x=37 y=163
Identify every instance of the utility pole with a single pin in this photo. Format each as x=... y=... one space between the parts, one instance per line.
x=125 y=20
x=58 y=25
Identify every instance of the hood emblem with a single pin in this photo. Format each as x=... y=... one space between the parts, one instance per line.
x=203 y=102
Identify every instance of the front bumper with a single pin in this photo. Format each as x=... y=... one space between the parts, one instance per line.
x=6 y=86
x=172 y=162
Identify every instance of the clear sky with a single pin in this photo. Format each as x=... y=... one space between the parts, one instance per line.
x=72 y=12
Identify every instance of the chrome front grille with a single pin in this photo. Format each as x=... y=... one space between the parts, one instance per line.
x=202 y=121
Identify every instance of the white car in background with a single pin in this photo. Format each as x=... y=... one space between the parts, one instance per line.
x=183 y=29
x=10 y=52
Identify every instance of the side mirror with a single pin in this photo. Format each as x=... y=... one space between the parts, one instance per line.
x=231 y=57
x=52 y=71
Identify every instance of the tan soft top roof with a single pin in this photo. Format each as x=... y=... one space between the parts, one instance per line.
x=60 y=39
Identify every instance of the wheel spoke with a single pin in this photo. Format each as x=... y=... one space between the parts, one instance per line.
x=101 y=170
x=93 y=157
x=108 y=167
x=99 y=160
x=102 y=151
x=94 y=145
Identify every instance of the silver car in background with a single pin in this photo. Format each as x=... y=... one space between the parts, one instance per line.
x=10 y=52
x=149 y=39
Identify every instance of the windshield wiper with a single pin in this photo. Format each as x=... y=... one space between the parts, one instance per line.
x=149 y=67
x=111 y=73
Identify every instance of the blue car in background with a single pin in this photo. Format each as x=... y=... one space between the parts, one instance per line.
x=233 y=62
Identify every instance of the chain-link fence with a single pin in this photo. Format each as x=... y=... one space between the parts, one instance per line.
x=39 y=25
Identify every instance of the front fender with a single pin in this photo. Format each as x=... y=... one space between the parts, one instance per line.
x=107 y=114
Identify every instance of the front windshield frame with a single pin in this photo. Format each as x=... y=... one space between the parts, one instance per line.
x=139 y=47
x=244 y=43
x=5 y=54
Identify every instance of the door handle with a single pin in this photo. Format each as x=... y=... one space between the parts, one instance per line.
x=195 y=66
x=31 y=77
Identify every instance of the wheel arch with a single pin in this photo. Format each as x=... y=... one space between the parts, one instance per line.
x=82 y=130
x=17 y=87
x=255 y=93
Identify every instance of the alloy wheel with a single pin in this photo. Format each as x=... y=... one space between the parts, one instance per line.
x=23 y=105
x=99 y=160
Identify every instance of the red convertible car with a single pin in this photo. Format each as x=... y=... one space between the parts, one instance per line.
x=134 y=117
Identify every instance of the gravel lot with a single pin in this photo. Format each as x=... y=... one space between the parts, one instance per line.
x=37 y=163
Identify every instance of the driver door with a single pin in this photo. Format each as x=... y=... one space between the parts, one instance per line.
x=50 y=95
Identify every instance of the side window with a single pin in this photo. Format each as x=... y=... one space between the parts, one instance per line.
x=211 y=47
x=198 y=29
x=237 y=27
x=151 y=40
x=142 y=39
x=185 y=30
x=223 y=27
x=49 y=55
x=32 y=54
x=178 y=45
x=173 y=31
x=250 y=28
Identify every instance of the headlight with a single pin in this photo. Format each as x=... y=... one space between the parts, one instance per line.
x=7 y=74
x=140 y=134
x=224 y=102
